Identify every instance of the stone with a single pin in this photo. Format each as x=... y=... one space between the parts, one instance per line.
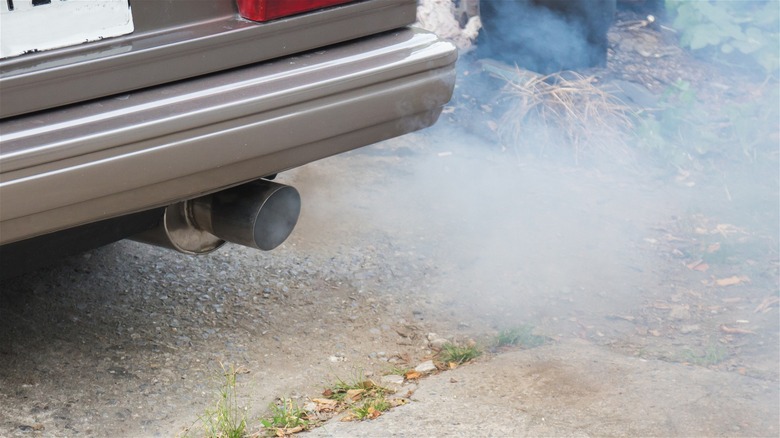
x=425 y=367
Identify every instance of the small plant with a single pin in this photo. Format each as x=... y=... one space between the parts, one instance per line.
x=342 y=390
x=725 y=29
x=364 y=398
x=451 y=353
x=522 y=336
x=712 y=355
x=226 y=419
x=396 y=370
x=286 y=417
x=371 y=408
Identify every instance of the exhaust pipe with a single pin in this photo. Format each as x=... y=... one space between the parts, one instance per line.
x=260 y=214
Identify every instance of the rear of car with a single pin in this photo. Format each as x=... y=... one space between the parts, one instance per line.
x=161 y=117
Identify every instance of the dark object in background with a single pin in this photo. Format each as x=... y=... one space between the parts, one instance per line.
x=553 y=35
x=546 y=35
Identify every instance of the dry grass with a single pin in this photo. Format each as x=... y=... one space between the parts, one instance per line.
x=567 y=110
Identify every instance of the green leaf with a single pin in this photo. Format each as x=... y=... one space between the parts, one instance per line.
x=704 y=35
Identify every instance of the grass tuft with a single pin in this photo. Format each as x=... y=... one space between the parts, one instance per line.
x=519 y=336
x=451 y=353
x=226 y=419
x=286 y=417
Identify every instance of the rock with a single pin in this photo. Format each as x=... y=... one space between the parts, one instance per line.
x=438 y=343
x=690 y=328
x=679 y=313
x=425 y=367
x=392 y=380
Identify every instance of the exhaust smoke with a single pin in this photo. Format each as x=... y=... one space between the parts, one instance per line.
x=658 y=241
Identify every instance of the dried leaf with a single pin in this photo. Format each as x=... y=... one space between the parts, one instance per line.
x=713 y=247
x=661 y=305
x=328 y=393
x=767 y=303
x=735 y=331
x=325 y=402
x=452 y=365
x=412 y=375
x=623 y=317
x=395 y=402
x=698 y=265
x=355 y=394
x=732 y=281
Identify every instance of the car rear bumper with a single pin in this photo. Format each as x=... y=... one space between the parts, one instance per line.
x=123 y=154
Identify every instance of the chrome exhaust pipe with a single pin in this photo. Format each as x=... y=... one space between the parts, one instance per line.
x=260 y=214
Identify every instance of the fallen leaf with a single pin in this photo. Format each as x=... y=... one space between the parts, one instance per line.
x=452 y=365
x=328 y=393
x=399 y=401
x=730 y=281
x=698 y=265
x=355 y=394
x=767 y=303
x=724 y=229
x=713 y=247
x=735 y=331
x=325 y=401
x=624 y=318
x=412 y=375
x=655 y=333
x=492 y=125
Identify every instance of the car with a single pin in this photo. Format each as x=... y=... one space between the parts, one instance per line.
x=166 y=120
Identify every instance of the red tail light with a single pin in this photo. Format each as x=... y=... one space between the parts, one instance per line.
x=264 y=10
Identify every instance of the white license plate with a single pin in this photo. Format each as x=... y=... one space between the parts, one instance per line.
x=35 y=25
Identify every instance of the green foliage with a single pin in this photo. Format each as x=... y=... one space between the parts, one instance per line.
x=286 y=414
x=711 y=355
x=684 y=132
x=522 y=336
x=451 y=353
x=371 y=408
x=226 y=419
x=341 y=388
x=726 y=28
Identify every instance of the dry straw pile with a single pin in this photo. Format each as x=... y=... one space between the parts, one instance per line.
x=566 y=110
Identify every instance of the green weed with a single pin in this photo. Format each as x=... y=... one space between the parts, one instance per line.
x=730 y=31
x=371 y=408
x=286 y=415
x=711 y=355
x=451 y=353
x=522 y=336
x=226 y=419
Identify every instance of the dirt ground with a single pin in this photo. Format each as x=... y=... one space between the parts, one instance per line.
x=656 y=294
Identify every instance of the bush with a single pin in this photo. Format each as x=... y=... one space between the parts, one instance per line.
x=730 y=30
